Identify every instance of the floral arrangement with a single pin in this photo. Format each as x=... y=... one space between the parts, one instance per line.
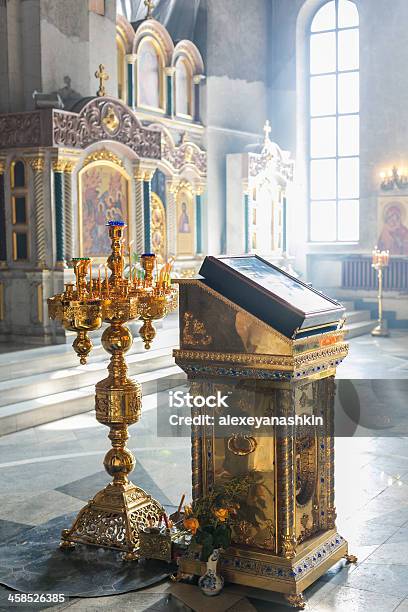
x=212 y=518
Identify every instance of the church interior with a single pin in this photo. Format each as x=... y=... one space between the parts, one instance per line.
x=207 y=200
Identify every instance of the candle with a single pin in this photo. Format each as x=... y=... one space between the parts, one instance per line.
x=130 y=260
x=106 y=280
x=183 y=497
x=90 y=278
x=99 y=281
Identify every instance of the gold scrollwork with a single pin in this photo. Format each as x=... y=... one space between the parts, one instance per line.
x=241 y=445
x=103 y=155
x=194 y=331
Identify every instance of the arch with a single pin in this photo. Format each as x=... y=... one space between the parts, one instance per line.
x=18 y=174
x=125 y=32
x=317 y=18
x=104 y=190
x=150 y=75
x=187 y=49
x=154 y=30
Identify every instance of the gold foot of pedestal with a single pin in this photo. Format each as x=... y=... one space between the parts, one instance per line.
x=350 y=558
x=113 y=519
x=66 y=544
x=296 y=600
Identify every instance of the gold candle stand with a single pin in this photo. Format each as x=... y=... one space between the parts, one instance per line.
x=115 y=515
x=380 y=261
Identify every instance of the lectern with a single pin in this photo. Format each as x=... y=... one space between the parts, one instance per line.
x=275 y=342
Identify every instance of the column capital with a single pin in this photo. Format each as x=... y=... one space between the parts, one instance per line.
x=197 y=78
x=199 y=189
x=58 y=165
x=170 y=70
x=37 y=164
x=143 y=173
x=131 y=58
x=63 y=164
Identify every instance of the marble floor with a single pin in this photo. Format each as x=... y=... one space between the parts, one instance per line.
x=53 y=469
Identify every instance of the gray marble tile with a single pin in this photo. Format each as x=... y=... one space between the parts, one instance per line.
x=86 y=488
x=403 y=607
x=390 y=553
x=347 y=599
x=38 y=508
x=368 y=533
x=378 y=578
x=9 y=529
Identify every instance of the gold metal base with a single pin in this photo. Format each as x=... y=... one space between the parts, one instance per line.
x=273 y=573
x=381 y=330
x=296 y=601
x=112 y=519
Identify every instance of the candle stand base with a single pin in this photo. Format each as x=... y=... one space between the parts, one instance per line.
x=113 y=519
x=381 y=330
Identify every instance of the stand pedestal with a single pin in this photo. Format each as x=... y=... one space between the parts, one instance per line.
x=114 y=516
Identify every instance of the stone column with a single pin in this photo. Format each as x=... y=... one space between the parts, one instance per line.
x=170 y=71
x=199 y=221
x=58 y=167
x=37 y=166
x=139 y=210
x=171 y=187
x=147 y=191
x=3 y=245
x=130 y=80
x=197 y=106
x=68 y=210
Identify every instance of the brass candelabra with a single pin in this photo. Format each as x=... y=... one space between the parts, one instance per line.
x=115 y=515
x=380 y=261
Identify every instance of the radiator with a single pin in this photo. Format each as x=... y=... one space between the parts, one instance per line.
x=357 y=273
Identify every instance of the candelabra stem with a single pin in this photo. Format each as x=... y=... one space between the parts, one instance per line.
x=381 y=328
x=114 y=516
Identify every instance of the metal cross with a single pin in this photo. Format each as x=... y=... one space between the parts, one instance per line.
x=102 y=76
x=267 y=129
x=149 y=4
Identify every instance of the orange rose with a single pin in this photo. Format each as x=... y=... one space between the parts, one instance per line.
x=191 y=524
x=221 y=514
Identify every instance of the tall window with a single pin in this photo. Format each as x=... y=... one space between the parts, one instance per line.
x=334 y=123
x=19 y=210
x=149 y=76
x=183 y=89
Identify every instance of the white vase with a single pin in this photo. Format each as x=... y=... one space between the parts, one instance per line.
x=211 y=583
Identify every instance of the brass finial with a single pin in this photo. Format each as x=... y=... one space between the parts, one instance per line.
x=102 y=76
x=267 y=130
x=149 y=4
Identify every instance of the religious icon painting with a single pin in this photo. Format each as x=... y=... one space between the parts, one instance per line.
x=158 y=227
x=393 y=224
x=104 y=195
x=185 y=223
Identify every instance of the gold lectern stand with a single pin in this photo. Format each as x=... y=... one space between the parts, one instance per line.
x=114 y=516
x=275 y=342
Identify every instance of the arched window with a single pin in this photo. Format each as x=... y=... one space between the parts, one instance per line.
x=149 y=76
x=19 y=212
x=183 y=88
x=334 y=123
